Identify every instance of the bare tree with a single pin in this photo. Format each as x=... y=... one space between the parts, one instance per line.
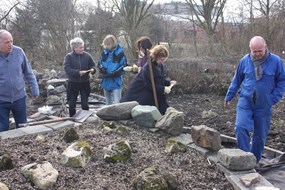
x=49 y=24
x=8 y=12
x=58 y=21
x=132 y=13
x=262 y=18
x=265 y=7
x=207 y=15
x=153 y=27
x=99 y=23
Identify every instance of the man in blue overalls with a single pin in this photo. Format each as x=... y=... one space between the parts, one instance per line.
x=260 y=83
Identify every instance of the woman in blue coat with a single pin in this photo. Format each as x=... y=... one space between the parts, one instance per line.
x=111 y=64
x=141 y=87
x=260 y=82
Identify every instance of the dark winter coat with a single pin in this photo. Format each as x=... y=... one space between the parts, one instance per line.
x=73 y=63
x=141 y=88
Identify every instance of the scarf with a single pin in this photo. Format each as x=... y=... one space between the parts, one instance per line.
x=258 y=65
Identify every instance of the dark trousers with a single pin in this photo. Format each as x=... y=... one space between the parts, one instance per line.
x=73 y=90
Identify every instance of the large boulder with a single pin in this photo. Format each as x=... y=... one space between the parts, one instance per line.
x=145 y=116
x=206 y=137
x=171 y=122
x=115 y=112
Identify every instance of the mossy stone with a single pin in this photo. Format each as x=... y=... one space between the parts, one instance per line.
x=70 y=135
x=6 y=162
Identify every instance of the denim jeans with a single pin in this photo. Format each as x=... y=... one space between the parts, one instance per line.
x=113 y=96
x=18 y=109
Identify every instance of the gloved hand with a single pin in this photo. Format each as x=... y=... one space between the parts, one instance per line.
x=114 y=74
x=133 y=68
x=81 y=73
x=93 y=70
x=128 y=68
x=102 y=70
x=167 y=89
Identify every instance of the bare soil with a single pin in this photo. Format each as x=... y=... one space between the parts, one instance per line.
x=191 y=169
x=223 y=120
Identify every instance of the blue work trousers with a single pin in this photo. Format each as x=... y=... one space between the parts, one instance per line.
x=256 y=121
x=18 y=109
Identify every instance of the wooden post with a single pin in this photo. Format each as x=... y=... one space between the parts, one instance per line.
x=152 y=79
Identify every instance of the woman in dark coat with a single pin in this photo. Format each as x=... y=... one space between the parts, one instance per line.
x=77 y=65
x=141 y=87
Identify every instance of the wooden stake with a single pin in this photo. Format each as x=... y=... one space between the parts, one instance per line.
x=152 y=79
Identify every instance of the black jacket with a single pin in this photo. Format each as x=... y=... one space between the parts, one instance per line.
x=73 y=63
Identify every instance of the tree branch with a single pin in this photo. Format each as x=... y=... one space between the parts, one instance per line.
x=9 y=11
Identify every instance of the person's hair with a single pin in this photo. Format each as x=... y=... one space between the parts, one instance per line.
x=159 y=51
x=74 y=43
x=144 y=43
x=109 y=42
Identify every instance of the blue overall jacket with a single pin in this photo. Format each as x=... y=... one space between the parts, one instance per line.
x=263 y=93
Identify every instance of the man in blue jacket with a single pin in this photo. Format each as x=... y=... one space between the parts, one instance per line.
x=260 y=83
x=14 y=69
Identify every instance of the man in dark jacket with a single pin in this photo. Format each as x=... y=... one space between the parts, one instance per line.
x=77 y=65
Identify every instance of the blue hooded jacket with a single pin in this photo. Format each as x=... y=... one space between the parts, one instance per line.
x=111 y=66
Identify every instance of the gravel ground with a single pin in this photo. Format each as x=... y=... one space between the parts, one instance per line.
x=191 y=169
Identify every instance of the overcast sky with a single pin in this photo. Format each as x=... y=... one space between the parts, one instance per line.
x=231 y=6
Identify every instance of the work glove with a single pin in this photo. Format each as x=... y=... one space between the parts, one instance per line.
x=81 y=73
x=133 y=69
x=102 y=70
x=167 y=89
x=128 y=68
x=93 y=70
x=114 y=74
